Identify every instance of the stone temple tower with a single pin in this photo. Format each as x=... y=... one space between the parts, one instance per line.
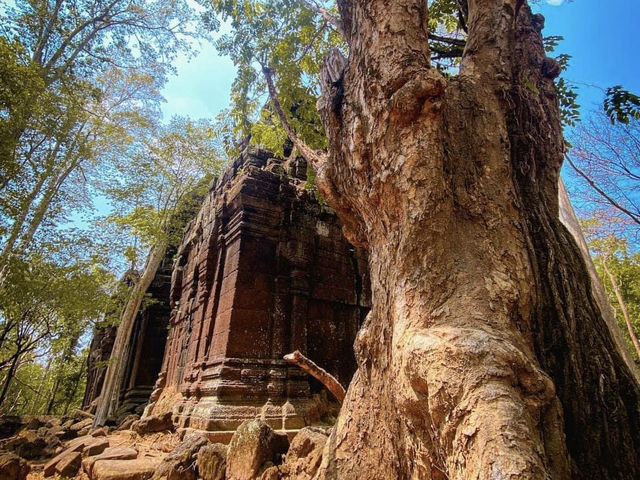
x=263 y=270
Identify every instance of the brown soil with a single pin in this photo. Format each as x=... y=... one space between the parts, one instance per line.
x=155 y=445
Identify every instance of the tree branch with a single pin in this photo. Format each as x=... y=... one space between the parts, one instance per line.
x=320 y=374
x=452 y=41
x=602 y=193
x=314 y=157
x=326 y=15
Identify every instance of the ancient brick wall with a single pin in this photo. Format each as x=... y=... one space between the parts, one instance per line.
x=145 y=351
x=263 y=270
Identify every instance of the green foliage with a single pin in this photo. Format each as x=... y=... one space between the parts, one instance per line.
x=567 y=94
x=154 y=181
x=291 y=40
x=613 y=253
x=443 y=16
x=47 y=304
x=79 y=99
x=621 y=105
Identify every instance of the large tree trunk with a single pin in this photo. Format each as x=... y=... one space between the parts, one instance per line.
x=114 y=376
x=485 y=355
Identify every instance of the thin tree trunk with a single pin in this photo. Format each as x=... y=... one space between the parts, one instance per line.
x=7 y=381
x=39 y=213
x=116 y=367
x=18 y=225
x=623 y=306
x=485 y=354
x=52 y=398
x=70 y=398
x=38 y=395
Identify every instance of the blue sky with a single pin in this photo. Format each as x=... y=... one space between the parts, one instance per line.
x=601 y=35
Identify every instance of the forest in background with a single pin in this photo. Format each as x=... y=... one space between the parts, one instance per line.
x=93 y=180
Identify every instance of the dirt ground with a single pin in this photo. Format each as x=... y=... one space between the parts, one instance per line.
x=154 y=445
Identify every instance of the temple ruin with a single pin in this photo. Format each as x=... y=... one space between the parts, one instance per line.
x=145 y=351
x=263 y=270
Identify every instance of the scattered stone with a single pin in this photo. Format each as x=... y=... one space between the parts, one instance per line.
x=112 y=453
x=98 y=432
x=212 y=461
x=307 y=440
x=68 y=423
x=304 y=456
x=69 y=464
x=153 y=424
x=127 y=422
x=139 y=469
x=96 y=447
x=79 y=444
x=12 y=467
x=53 y=422
x=81 y=425
x=10 y=425
x=77 y=413
x=254 y=445
x=271 y=473
x=180 y=464
x=30 y=445
x=76 y=446
x=34 y=423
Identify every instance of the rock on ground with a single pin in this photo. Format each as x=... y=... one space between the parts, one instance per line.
x=128 y=421
x=112 y=453
x=96 y=447
x=180 y=464
x=212 y=462
x=254 y=447
x=139 y=469
x=12 y=467
x=87 y=423
x=10 y=425
x=304 y=456
x=153 y=424
x=31 y=445
x=86 y=445
x=69 y=464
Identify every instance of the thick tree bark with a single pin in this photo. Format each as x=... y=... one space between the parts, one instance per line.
x=485 y=355
x=114 y=376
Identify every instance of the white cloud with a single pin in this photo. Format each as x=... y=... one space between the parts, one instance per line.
x=555 y=3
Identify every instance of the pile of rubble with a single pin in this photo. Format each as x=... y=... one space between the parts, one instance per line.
x=150 y=449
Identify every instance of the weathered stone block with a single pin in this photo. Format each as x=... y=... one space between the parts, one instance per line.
x=139 y=469
x=212 y=461
x=180 y=464
x=112 y=453
x=253 y=446
x=69 y=464
x=153 y=424
x=12 y=467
